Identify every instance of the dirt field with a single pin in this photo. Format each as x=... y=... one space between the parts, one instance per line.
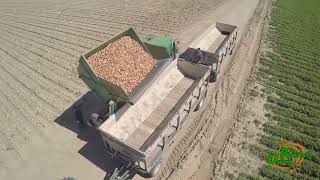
x=40 y=43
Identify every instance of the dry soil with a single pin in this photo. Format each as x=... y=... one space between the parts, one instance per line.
x=40 y=44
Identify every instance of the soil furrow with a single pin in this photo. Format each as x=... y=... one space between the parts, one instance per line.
x=84 y=28
x=51 y=93
x=21 y=99
x=121 y=22
x=39 y=69
x=16 y=113
x=23 y=88
x=65 y=28
x=86 y=22
x=59 y=62
x=32 y=42
x=153 y=22
x=55 y=29
x=43 y=39
x=57 y=74
x=54 y=34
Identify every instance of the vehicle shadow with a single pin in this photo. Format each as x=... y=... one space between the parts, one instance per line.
x=94 y=149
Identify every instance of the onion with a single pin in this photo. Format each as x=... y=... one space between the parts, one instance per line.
x=123 y=62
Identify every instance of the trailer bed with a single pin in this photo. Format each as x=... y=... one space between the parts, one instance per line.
x=140 y=120
x=147 y=127
x=217 y=43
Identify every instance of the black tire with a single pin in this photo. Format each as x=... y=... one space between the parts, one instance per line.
x=201 y=102
x=221 y=59
x=199 y=105
x=213 y=77
x=231 y=51
x=234 y=45
x=154 y=170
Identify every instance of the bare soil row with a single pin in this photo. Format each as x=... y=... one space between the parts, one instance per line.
x=39 y=65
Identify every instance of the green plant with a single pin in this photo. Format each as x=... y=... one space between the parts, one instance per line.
x=254 y=93
x=230 y=175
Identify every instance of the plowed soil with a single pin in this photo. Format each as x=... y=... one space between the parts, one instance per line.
x=40 y=44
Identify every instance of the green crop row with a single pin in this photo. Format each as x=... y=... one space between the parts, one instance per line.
x=309 y=111
x=298 y=99
x=297 y=125
x=290 y=113
x=292 y=66
x=277 y=174
x=295 y=136
x=292 y=69
x=290 y=89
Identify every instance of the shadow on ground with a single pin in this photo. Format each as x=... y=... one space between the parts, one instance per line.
x=94 y=149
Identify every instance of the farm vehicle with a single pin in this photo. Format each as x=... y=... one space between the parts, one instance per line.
x=138 y=127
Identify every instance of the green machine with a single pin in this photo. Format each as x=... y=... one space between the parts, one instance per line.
x=163 y=49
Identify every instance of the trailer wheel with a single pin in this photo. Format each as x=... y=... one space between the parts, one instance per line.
x=200 y=103
x=231 y=52
x=213 y=77
x=154 y=170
